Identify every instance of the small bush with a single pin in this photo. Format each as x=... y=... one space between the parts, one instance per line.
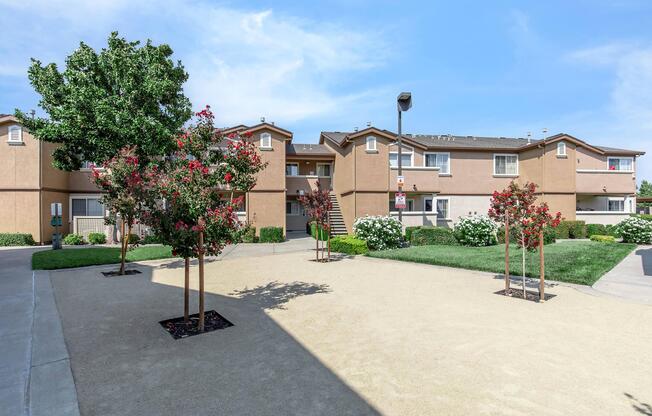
x=603 y=238
x=571 y=229
x=550 y=235
x=426 y=236
x=134 y=239
x=476 y=231
x=348 y=244
x=271 y=235
x=249 y=235
x=596 y=229
x=323 y=235
x=613 y=231
x=151 y=239
x=380 y=233
x=409 y=230
x=635 y=230
x=73 y=240
x=16 y=239
x=646 y=217
x=97 y=238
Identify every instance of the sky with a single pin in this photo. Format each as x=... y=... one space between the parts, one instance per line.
x=498 y=68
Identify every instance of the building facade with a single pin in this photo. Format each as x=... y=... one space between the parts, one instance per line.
x=446 y=177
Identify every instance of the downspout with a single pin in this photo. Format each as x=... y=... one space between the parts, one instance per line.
x=40 y=191
x=355 y=182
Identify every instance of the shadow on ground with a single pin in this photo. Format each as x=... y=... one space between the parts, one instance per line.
x=640 y=407
x=530 y=283
x=646 y=260
x=124 y=363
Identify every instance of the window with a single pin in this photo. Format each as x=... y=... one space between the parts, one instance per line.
x=621 y=163
x=87 y=207
x=266 y=141
x=440 y=160
x=409 y=205
x=292 y=169
x=427 y=204
x=406 y=157
x=15 y=134
x=505 y=165
x=616 y=205
x=292 y=208
x=442 y=208
x=561 y=149
x=371 y=144
x=324 y=169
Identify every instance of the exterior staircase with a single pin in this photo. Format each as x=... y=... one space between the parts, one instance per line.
x=338 y=227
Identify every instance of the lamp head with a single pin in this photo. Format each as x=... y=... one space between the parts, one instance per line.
x=404 y=101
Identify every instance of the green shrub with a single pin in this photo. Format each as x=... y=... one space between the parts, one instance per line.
x=613 y=230
x=348 y=244
x=409 y=230
x=271 y=235
x=134 y=239
x=97 y=238
x=73 y=240
x=596 y=229
x=249 y=235
x=16 y=239
x=323 y=235
x=476 y=231
x=646 y=217
x=151 y=239
x=426 y=236
x=635 y=230
x=380 y=232
x=571 y=229
x=603 y=238
x=550 y=235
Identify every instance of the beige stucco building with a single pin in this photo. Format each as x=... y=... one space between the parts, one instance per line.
x=446 y=177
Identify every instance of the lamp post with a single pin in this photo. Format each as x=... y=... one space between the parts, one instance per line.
x=403 y=103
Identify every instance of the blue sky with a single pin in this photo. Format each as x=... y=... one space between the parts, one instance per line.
x=502 y=68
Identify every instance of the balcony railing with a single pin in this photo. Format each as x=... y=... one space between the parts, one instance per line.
x=306 y=183
x=597 y=181
x=420 y=179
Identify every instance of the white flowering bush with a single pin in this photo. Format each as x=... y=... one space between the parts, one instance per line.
x=476 y=231
x=635 y=230
x=380 y=233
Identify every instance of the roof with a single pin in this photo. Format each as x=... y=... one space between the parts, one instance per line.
x=269 y=126
x=308 y=150
x=614 y=150
x=468 y=142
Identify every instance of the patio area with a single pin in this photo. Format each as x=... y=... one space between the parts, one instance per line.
x=351 y=337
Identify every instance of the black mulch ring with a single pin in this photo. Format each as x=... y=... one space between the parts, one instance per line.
x=127 y=273
x=180 y=329
x=518 y=293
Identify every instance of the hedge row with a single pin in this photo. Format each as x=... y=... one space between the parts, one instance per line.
x=348 y=244
x=16 y=239
x=427 y=235
x=271 y=235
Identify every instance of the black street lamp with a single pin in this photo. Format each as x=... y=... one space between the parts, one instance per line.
x=403 y=103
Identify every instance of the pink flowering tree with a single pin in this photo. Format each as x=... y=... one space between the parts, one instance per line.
x=317 y=204
x=194 y=218
x=127 y=193
x=515 y=207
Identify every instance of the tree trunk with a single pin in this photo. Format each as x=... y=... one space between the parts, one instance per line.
x=328 y=235
x=542 y=272
x=123 y=249
x=506 y=252
x=186 y=291
x=317 y=241
x=200 y=257
x=523 y=261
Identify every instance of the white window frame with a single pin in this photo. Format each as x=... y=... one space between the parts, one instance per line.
x=20 y=134
x=265 y=137
x=620 y=158
x=561 y=149
x=286 y=169
x=425 y=156
x=369 y=140
x=621 y=200
x=293 y=203
x=448 y=203
x=330 y=170
x=83 y=196
x=506 y=174
x=403 y=152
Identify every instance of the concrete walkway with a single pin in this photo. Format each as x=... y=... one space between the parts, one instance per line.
x=35 y=376
x=296 y=242
x=631 y=279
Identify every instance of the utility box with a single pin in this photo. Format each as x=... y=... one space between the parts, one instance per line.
x=56 y=211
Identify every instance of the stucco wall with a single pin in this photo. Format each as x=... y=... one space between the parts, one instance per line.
x=52 y=178
x=371 y=168
x=19 y=212
x=273 y=176
x=471 y=173
x=266 y=209
x=19 y=163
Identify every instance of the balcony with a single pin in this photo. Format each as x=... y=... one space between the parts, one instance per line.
x=306 y=183
x=597 y=181
x=419 y=179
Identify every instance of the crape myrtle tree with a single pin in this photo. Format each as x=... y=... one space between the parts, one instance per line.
x=128 y=192
x=193 y=218
x=515 y=207
x=317 y=204
x=124 y=95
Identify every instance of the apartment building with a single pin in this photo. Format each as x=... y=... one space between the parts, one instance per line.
x=446 y=177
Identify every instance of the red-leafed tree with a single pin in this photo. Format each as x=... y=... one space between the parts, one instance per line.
x=128 y=192
x=515 y=207
x=194 y=218
x=317 y=204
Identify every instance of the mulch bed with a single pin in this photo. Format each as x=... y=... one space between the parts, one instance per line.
x=180 y=329
x=117 y=273
x=518 y=293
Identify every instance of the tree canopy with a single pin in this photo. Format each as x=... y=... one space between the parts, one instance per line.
x=125 y=95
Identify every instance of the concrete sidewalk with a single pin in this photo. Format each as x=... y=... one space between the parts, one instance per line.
x=631 y=279
x=35 y=376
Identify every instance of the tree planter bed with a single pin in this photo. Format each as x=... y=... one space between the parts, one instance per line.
x=518 y=293
x=180 y=329
x=117 y=273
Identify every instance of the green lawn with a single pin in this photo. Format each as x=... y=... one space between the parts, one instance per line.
x=581 y=262
x=78 y=257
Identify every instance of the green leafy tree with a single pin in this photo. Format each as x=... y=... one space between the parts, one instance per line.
x=644 y=190
x=125 y=95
